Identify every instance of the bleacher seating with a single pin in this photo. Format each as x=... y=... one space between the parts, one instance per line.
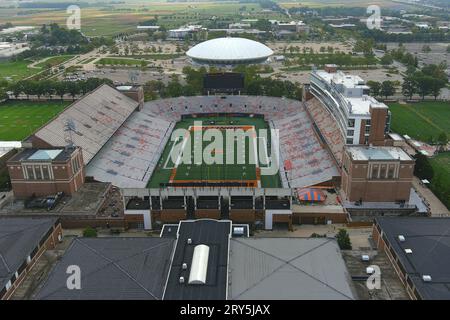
x=328 y=127
x=96 y=117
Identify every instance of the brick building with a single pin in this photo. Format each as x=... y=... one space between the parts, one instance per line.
x=376 y=174
x=42 y=172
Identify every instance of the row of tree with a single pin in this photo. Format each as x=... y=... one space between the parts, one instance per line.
x=254 y=84
x=49 y=88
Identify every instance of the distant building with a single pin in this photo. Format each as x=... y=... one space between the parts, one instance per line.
x=343 y=25
x=151 y=28
x=293 y=26
x=42 y=172
x=418 y=249
x=22 y=243
x=183 y=32
x=360 y=117
x=376 y=174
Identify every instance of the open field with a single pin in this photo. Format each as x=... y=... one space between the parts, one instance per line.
x=119 y=18
x=171 y=169
x=339 y=3
x=441 y=168
x=53 y=61
x=19 y=119
x=119 y=61
x=423 y=121
x=16 y=70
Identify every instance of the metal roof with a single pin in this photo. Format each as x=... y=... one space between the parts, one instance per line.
x=229 y=49
x=18 y=238
x=287 y=269
x=112 y=269
x=429 y=240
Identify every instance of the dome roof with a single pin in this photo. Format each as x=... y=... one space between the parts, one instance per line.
x=229 y=50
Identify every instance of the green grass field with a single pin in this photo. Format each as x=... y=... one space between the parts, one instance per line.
x=16 y=70
x=119 y=62
x=53 y=61
x=167 y=170
x=441 y=168
x=424 y=121
x=19 y=119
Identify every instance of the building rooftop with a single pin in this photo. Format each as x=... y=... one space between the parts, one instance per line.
x=429 y=240
x=216 y=235
x=112 y=269
x=353 y=90
x=229 y=49
x=364 y=153
x=18 y=238
x=287 y=269
x=48 y=154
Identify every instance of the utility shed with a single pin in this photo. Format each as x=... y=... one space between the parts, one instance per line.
x=287 y=269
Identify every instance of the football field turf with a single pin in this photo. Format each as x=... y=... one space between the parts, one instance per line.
x=241 y=171
x=19 y=119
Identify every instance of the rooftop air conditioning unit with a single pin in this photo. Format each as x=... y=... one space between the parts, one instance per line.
x=426 y=278
x=370 y=270
x=181 y=279
x=401 y=238
x=408 y=251
x=365 y=257
x=184 y=266
x=189 y=241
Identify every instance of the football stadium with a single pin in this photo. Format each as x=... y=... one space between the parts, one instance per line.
x=223 y=156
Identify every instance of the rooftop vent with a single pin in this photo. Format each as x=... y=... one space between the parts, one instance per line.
x=365 y=257
x=181 y=280
x=189 y=241
x=199 y=266
x=408 y=251
x=426 y=278
x=370 y=270
x=401 y=238
x=238 y=231
x=184 y=266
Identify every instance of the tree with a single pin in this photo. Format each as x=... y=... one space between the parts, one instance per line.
x=387 y=88
x=386 y=60
x=343 y=240
x=408 y=87
x=73 y=89
x=89 y=232
x=60 y=88
x=436 y=86
x=424 y=85
x=442 y=139
x=423 y=168
x=375 y=88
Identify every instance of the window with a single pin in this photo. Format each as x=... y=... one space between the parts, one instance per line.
x=367 y=130
x=38 y=172
x=368 y=122
x=350 y=133
x=46 y=173
x=366 y=140
x=30 y=173
x=349 y=140
x=374 y=173
x=391 y=171
x=351 y=123
x=383 y=172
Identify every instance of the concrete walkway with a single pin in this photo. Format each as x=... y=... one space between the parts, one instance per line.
x=436 y=207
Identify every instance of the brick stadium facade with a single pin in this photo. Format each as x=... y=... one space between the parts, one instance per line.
x=42 y=172
x=380 y=174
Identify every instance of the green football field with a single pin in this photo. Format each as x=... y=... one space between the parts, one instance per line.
x=172 y=169
x=19 y=119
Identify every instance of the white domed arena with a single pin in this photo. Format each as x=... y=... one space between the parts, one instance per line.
x=229 y=51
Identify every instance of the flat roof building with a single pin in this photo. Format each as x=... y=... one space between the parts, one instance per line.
x=361 y=118
x=418 y=249
x=42 y=172
x=22 y=242
x=376 y=174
